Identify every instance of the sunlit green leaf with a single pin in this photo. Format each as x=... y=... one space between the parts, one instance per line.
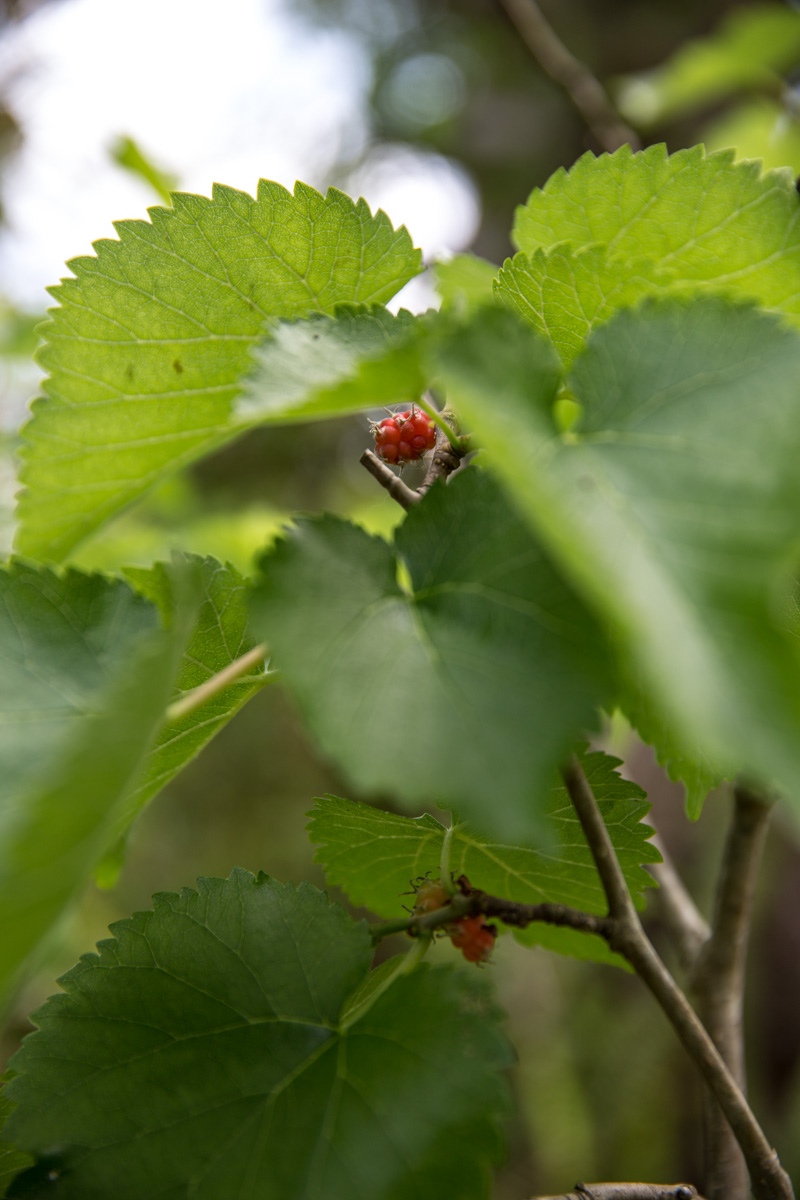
x=152 y=337
x=465 y=282
x=703 y=219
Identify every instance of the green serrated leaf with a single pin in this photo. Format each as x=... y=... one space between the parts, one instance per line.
x=747 y=50
x=701 y=218
x=372 y=856
x=673 y=505
x=464 y=282
x=153 y=335
x=219 y=636
x=202 y=1053
x=326 y=366
x=487 y=670
x=564 y=294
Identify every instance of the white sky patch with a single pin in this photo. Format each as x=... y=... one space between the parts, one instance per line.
x=213 y=95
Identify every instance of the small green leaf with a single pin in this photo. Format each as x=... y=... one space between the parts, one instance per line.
x=325 y=366
x=700 y=218
x=202 y=1053
x=564 y=294
x=464 y=282
x=487 y=670
x=747 y=51
x=373 y=855
x=129 y=155
x=153 y=336
x=673 y=505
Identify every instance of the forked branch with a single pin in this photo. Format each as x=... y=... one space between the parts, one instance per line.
x=768 y=1179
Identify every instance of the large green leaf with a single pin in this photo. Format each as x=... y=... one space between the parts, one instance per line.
x=674 y=504
x=371 y=855
x=747 y=50
x=324 y=366
x=209 y=1050
x=219 y=636
x=153 y=335
x=86 y=673
x=12 y=1160
x=465 y=691
x=702 y=218
x=565 y=293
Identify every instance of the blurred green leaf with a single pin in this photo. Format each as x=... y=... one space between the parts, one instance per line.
x=672 y=504
x=86 y=676
x=152 y=338
x=762 y=129
x=326 y=366
x=129 y=155
x=485 y=671
x=12 y=1160
x=464 y=282
x=203 y=1048
x=748 y=50
x=372 y=856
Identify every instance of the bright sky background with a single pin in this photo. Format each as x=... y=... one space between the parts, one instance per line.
x=212 y=93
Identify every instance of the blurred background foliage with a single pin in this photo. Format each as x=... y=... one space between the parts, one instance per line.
x=451 y=120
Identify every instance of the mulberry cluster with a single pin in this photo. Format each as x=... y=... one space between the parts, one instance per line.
x=404 y=437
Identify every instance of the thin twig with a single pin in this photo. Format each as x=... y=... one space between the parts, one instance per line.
x=768 y=1179
x=399 y=491
x=685 y=923
x=628 y=1191
x=473 y=901
x=584 y=90
x=719 y=977
x=218 y=683
x=446 y=459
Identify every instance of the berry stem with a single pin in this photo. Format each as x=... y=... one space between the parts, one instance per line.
x=444 y=861
x=441 y=423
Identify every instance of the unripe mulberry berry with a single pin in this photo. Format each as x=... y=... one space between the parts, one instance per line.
x=473 y=937
x=404 y=437
x=429 y=896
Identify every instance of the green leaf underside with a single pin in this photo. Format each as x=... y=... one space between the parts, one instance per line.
x=746 y=50
x=218 y=638
x=153 y=335
x=373 y=855
x=484 y=672
x=564 y=293
x=326 y=366
x=673 y=503
x=702 y=219
x=85 y=675
x=201 y=1054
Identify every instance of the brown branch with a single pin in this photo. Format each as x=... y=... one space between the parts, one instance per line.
x=399 y=491
x=585 y=91
x=768 y=1179
x=686 y=925
x=718 y=981
x=446 y=458
x=471 y=901
x=628 y=1191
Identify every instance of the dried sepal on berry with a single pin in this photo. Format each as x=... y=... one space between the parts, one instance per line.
x=473 y=937
x=404 y=437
